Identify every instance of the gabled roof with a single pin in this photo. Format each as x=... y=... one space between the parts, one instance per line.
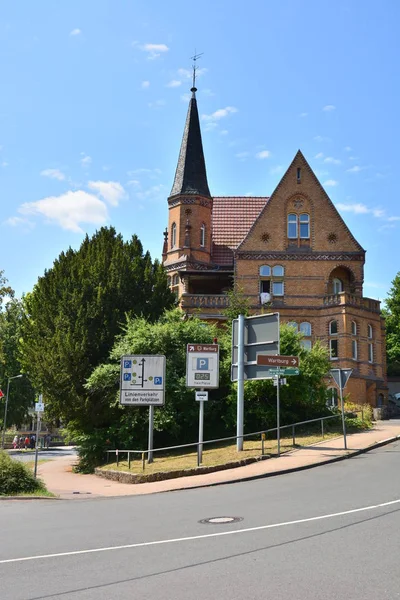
x=191 y=175
x=232 y=217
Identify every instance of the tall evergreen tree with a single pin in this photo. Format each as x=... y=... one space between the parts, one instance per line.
x=392 y=315
x=76 y=310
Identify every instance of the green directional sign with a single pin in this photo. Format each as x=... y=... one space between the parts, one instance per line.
x=285 y=371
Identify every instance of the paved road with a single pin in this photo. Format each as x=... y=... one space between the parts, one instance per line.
x=353 y=555
x=28 y=456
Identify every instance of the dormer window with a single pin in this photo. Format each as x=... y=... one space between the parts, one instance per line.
x=173 y=235
x=203 y=235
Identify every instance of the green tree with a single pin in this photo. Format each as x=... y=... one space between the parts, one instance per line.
x=392 y=315
x=22 y=395
x=74 y=313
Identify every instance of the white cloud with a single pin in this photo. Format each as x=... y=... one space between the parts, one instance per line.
x=224 y=132
x=332 y=161
x=154 y=50
x=263 y=154
x=393 y=219
x=85 y=160
x=4 y=164
x=355 y=169
x=53 y=174
x=156 y=104
x=19 y=221
x=319 y=155
x=276 y=170
x=134 y=183
x=210 y=126
x=221 y=113
x=361 y=209
x=69 y=210
x=153 y=193
x=321 y=173
x=75 y=32
x=348 y=149
x=303 y=114
x=329 y=108
x=242 y=155
x=145 y=84
x=330 y=183
x=174 y=83
x=111 y=191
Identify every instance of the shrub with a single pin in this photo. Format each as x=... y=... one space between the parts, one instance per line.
x=16 y=478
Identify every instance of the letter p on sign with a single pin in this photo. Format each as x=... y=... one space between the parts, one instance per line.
x=202 y=364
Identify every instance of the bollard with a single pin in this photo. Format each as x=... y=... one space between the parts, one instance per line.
x=143 y=461
x=117 y=453
x=129 y=460
x=293 y=436
x=322 y=428
x=262 y=443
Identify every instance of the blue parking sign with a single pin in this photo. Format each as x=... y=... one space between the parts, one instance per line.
x=202 y=364
x=127 y=376
x=157 y=380
x=127 y=364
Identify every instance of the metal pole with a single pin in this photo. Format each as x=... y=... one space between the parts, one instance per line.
x=293 y=436
x=278 y=416
x=322 y=428
x=201 y=429
x=5 y=415
x=343 y=419
x=151 y=428
x=240 y=385
x=262 y=443
x=37 y=443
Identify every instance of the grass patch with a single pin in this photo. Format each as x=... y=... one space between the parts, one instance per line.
x=39 y=493
x=31 y=463
x=213 y=456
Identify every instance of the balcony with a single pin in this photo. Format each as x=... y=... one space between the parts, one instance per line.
x=210 y=301
x=352 y=300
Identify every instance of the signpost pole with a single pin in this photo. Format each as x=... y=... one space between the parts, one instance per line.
x=5 y=415
x=201 y=432
x=151 y=428
x=37 y=443
x=278 y=416
x=342 y=406
x=240 y=385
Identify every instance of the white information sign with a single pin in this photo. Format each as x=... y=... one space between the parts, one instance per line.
x=39 y=406
x=201 y=396
x=202 y=366
x=142 y=380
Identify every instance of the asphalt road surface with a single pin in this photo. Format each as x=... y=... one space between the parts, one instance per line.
x=301 y=537
x=53 y=453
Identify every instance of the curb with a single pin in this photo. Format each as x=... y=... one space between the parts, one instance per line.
x=4 y=498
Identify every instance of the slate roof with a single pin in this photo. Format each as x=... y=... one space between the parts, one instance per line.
x=191 y=174
x=232 y=218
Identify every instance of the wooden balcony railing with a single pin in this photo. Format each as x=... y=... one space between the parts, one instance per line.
x=352 y=300
x=219 y=301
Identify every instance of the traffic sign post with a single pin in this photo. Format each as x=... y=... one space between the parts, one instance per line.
x=202 y=370
x=39 y=408
x=341 y=377
x=143 y=384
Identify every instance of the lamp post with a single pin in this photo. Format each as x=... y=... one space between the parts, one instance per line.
x=6 y=407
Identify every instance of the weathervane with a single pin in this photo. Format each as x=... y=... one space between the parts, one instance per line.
x=195 y=67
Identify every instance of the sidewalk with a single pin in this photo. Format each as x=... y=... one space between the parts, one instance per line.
x=59 y=478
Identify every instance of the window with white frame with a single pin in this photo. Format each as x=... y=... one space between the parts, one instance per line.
x=370 y=332
x=305 y=328
x=292 y=226
x=333 y=327
x=337 y=286
x=175 y=284
x=271 y=280
x=203 y=235
x=173 y=235
x=304 y=220
x=353 y=328
x=370 y=353
x=298 y=226
x=294 y=325
x=354 y=349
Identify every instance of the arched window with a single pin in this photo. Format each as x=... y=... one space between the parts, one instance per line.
x=173 y=235
x=305 y=328
x=354 y=349
x=333 y=328
x=370 y=332
x=265 y=271
x=353 y=328
x=294 y=325
x=175 y=279
x=337 y=286
x=278 y=271
x=203 y=235
x=304 y=226
x=292 y=226
x=370 y=353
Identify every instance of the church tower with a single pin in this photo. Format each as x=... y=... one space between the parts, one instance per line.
x=188 y=239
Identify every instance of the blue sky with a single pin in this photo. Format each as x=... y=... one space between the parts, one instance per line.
x=94 y=99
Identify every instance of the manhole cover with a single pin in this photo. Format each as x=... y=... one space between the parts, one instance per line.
x=221 y=520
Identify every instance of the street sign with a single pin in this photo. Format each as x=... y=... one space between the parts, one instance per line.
x=284 y=371
x=1 y=394
x=201 y=396
x=142 y=380
x=202 y=366
x=277 y=361
x=39 y=407
x=281 y=382
x=341 y=376
x=261 y=336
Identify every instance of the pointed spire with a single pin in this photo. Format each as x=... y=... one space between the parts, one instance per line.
x=191 y=175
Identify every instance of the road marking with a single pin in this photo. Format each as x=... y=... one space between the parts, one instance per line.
x=202 y=537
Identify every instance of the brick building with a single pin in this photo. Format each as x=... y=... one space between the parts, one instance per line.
x=290 y=252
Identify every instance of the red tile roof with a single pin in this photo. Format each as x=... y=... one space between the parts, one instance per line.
x=231 y=220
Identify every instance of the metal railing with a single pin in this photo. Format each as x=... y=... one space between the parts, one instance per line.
x=261 y=433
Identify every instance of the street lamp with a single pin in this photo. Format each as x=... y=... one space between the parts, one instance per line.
x=6 y=407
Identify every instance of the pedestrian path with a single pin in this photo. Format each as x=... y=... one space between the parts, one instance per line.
x=60 y=479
